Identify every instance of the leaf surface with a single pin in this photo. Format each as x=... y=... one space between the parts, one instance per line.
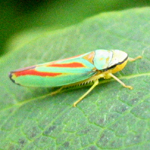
x=110 y=117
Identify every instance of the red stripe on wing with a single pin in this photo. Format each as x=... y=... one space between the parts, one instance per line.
x=36 y=73
x=68 y=65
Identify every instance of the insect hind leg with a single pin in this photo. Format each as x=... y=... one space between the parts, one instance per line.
x=57 y=91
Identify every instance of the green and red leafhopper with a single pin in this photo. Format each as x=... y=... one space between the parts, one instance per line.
x=77 y=70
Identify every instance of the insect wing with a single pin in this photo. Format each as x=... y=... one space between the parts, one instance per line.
x=56 y=73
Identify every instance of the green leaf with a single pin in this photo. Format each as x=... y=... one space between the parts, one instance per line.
x=110 y=117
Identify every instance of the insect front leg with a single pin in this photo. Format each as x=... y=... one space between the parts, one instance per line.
x=123 y=84
x=133 y=59
x=96 y=82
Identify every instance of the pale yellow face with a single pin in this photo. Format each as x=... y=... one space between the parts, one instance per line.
x=119 y=59
x=119 y=67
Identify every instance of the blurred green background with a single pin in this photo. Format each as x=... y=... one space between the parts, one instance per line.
x=18 y=16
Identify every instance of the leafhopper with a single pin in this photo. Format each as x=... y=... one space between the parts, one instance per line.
x=74 y=71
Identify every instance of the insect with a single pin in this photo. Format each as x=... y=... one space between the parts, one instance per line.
x=74 y=71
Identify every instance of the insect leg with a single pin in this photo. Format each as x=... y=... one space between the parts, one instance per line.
x=123 y=84
x=96 y=82
x=133 y=59
x=57 y=91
